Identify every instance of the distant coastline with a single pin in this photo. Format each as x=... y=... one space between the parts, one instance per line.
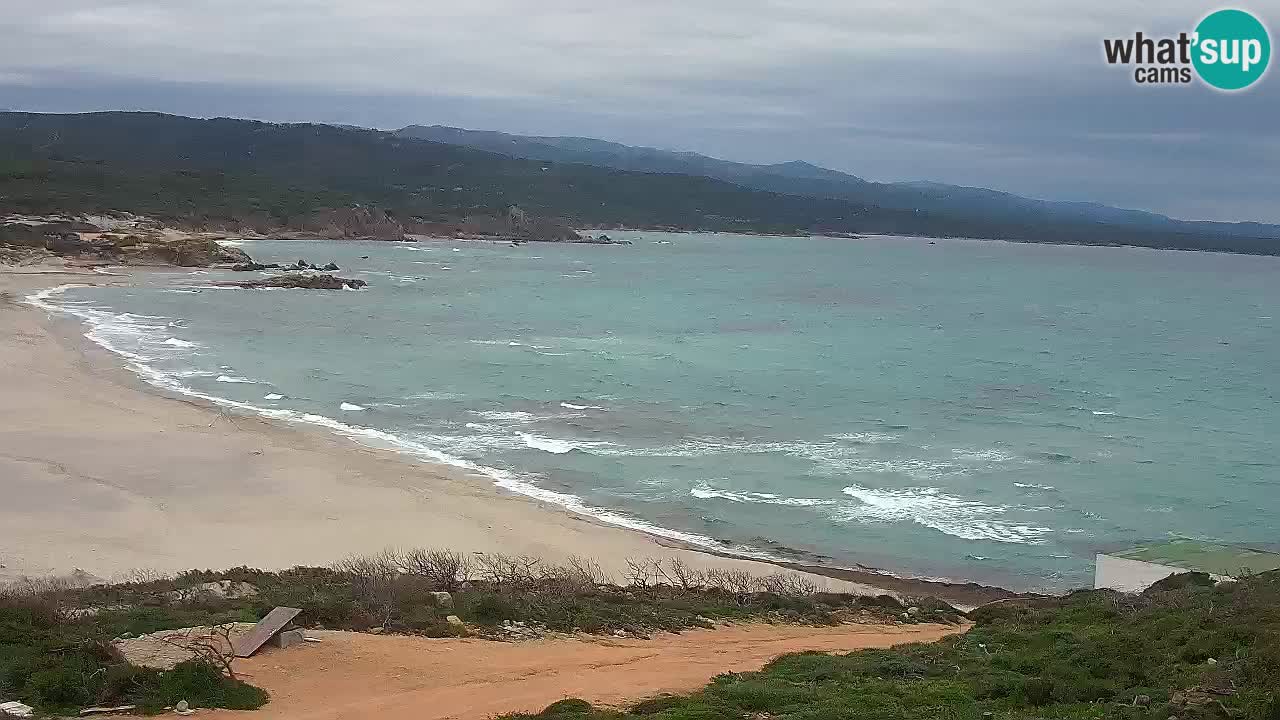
x=242 y=177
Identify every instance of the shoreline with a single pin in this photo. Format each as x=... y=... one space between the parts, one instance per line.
x=382 y=490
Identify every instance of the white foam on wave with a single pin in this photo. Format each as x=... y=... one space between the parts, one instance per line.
x=273 y=396
x=935 y=509
x=505 y=415
x=1103 y=412
x=1034 y=486
x=987 y=455
x=175 y=342
x=866 y=438
x=551 y=445
x=571 y=406
x=234 y=379
x=349 y=407
x=705 y=492
x=558 y=446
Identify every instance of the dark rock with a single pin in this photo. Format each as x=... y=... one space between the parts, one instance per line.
x=302 y=281
x=331 y=267
x=603 y=240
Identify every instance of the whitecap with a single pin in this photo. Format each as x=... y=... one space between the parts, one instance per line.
x=1034 y=486
x=505 y=415
x=1102 y=412
x=175 y=342
x=349 y=406
x=865 y=438
x=935 y=509
x=273 y=396
x=233 y=379
x=981 y=455
x=571 y=406
x=705 y=492
x=551 y=445
x=558 y=446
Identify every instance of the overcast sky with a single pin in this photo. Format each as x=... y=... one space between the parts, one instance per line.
x=1008 y=94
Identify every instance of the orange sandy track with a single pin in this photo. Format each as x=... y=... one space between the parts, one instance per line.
x=350 y=676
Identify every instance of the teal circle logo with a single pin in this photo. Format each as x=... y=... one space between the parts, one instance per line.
x=1232 y=49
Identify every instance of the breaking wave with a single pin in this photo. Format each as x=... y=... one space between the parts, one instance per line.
x=935 y=509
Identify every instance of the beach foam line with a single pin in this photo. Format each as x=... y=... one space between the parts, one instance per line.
x=372 y=437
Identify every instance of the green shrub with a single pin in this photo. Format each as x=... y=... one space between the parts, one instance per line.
x=201 y=685
x=492 y=609
x=1038 y=690
x=655 y=705
x=569 y=707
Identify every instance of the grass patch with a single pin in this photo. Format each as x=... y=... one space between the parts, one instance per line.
x=1184 y=649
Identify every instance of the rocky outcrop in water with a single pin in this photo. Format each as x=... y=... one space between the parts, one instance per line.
x=302 y=281
x=300 y=265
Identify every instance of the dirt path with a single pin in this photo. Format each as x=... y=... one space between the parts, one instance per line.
x=352 y=676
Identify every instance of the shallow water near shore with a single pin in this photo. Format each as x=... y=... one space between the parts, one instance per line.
x=968 y=410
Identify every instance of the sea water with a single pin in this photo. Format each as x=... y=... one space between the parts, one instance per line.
x=955 y=409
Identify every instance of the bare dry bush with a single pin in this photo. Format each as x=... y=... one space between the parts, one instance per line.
x=374 y=580
x=141 y=576
x=640 y=572
x=740 y=583
x=788 y=584
x=577 y=576
x=443 y=569
x=509 y=571
x=676 y=573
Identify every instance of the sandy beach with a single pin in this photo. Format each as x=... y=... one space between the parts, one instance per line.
x=102 y=474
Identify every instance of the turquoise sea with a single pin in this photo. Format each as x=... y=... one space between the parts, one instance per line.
x=962 y=409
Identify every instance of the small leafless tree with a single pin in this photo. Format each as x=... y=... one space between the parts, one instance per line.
x=577 y=576
x=512 y=571
x=677 y=573
x=640 y=573
x=737 y=581
x=211 y=645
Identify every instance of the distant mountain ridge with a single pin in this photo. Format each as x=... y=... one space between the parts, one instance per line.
x=798 y=177
x=225 y=173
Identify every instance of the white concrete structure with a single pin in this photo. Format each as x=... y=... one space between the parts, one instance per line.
x=1136 y=569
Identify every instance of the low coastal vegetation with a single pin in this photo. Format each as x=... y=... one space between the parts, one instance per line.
x=1185 y=649
x=56 y=639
